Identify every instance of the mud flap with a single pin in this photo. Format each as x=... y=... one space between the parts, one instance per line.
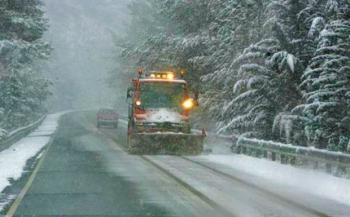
x=165 y=144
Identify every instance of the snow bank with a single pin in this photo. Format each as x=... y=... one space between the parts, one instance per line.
x=14 y=159
x=23 y=128
x=313 y=182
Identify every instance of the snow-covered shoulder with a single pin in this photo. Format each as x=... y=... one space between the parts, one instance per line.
x=313 y=182
x=13 y=160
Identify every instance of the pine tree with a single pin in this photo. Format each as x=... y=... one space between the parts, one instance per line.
x=23 y=88
x=166 y=39
x=263 y=89
x=268 y=71
x=321 y=95
x=3 y=132
x=235 y=26
x=328 y=89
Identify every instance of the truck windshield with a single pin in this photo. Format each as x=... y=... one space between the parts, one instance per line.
x=162 y=95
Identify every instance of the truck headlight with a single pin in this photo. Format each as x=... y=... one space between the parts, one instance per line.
x=188 y=104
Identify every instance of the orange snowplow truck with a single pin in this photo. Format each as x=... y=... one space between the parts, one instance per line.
x=159 y=115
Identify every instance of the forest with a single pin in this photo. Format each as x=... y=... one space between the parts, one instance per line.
x=268 y=69
x=55 y=56
x=24 y=86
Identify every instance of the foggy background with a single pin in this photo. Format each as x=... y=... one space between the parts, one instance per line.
x=81 y=33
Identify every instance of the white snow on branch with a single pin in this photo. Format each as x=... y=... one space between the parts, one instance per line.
x=238 y=85
x=314 y=105
x=291 y=62
x=316 y=26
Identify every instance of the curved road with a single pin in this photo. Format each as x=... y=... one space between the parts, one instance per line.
x=86 y=172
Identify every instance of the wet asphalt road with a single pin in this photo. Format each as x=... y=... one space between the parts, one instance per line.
x=86 y=174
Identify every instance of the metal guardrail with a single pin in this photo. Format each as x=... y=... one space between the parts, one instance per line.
x=333 y=162
x=20 y=133
x=336 y=163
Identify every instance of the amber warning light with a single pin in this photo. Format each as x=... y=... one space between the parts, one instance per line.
x=170 y=76
x=167 y=75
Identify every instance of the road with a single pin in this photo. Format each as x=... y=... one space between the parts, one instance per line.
x=87 y=172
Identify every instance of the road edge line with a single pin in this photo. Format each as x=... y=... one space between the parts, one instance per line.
x=286 y=200
x=15 y=205
x=194 y=191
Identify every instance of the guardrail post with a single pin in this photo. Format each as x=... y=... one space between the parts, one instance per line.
x=293 y=160
x=238 y=149
x=305 y=162
x=283 y=159
x=244 y=150
x=258 y=153
x=341 y=170
x=265 y=154
x=328 y=168
x=273 y=156
x=315 y=165
x=249 y=151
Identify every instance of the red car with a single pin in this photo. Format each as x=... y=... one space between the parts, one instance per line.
x=107 y=116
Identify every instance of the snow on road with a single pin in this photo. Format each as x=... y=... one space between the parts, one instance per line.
x=310 y=181
x=13 y=160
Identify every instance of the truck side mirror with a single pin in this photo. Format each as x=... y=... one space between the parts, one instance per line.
x=129 y=95
x=129 y=92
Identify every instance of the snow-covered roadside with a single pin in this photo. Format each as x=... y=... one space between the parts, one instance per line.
x=13 y=160
x=23 y=128
x=313 y=182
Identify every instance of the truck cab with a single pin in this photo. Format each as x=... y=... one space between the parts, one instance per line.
x=159 y=116
x=159 y=102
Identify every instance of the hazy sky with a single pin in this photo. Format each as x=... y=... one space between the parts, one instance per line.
x=81 y=34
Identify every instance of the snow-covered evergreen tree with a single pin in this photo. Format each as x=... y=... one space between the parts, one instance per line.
x=265 y=67
x=314 y=115
x=3 y=132
x=236 y=25
x=164 y=38
x=289 y=23
x=268 y=71
x=23 y=88
x=327 y=85
x=264 y=88
x=143 y=45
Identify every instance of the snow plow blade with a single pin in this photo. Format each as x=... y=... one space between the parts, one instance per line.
x=165 y=144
